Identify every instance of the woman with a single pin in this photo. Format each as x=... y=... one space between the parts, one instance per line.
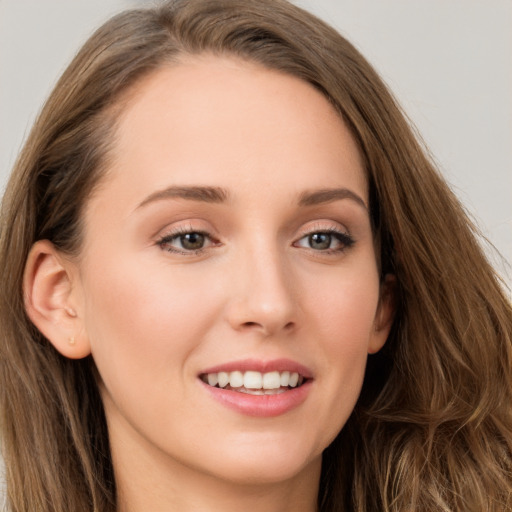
x=218 y=220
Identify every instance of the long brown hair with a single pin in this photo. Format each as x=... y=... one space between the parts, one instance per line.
x=433 y=426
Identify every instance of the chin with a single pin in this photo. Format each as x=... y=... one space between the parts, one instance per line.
x=265 y=462
x=267 y=471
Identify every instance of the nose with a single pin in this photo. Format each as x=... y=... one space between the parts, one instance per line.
x=262 y=297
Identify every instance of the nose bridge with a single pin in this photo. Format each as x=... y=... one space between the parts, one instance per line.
x=263 y=297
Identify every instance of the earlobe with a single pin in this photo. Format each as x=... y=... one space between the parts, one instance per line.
x=385 y=314
x=49 y=300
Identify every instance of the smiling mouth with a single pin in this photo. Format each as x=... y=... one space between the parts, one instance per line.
x=255 y=383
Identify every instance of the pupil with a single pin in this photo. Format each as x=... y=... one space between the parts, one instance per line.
x=192 y=241
x=320 y=240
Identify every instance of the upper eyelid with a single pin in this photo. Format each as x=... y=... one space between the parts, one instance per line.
x=175 y=232
x=306 y=228
x=178 y=233
x=343 y=234
x=189 y=226
x=319 y=226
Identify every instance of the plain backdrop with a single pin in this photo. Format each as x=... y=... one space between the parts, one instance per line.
x=449 y=63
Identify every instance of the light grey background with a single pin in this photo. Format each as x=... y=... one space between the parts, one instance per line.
x=449 y=62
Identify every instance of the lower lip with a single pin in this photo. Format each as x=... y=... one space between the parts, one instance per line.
x=264 y=406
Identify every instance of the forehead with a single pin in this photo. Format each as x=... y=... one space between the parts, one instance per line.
x=208 y=119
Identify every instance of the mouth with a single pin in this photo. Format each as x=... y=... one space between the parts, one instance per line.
x=259 y=388
x=254 y=382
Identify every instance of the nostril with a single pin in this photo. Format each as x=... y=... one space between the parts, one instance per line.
x=257 y=325
x=251 y=324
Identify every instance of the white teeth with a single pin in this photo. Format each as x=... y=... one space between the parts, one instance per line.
x=236 y=379
x=271 y=380
x=223 y=379
x=255 y=382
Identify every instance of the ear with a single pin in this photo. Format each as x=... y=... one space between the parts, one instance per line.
x=48 y=286
x=385 y=314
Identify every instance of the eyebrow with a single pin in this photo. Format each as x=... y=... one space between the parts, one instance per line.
x=328 y=195
x=192 y=193
x=220 y=195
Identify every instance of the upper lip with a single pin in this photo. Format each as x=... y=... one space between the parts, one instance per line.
x=257 y=365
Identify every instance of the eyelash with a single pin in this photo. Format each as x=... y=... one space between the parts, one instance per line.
x=181 y=232
x=346 y=241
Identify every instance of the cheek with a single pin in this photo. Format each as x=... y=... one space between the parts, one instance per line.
x=348 y=326
x=345 y=306
x=345 y=314
x=141 y=321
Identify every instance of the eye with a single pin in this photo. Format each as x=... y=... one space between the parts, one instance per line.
x=326 y=241
x=185 y=242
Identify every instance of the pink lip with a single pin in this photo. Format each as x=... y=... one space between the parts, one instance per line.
x=256 y=365
x=263 y=406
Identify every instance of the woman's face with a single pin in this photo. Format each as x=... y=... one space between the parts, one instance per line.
x=229 y=241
